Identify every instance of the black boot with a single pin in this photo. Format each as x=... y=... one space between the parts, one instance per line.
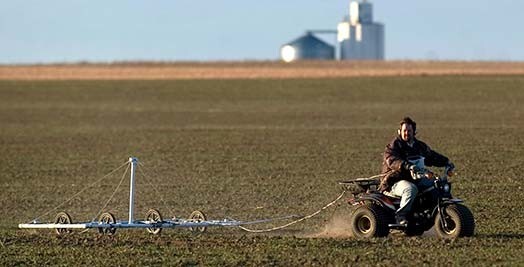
x=401 y=220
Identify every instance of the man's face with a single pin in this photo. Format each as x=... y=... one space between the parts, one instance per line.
x=406 y=132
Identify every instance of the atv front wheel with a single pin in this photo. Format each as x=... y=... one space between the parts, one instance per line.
x=458 y=222
x=369 y=220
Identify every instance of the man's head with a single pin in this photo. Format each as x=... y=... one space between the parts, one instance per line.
x=408 y=129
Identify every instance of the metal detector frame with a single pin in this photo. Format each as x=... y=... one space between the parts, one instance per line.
x=132 y=223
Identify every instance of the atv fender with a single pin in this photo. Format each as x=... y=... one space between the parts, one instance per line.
x=452 y=201
x=373 y=198
x=446 y=202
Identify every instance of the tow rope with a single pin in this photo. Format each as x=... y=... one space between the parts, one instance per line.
x=296 y=221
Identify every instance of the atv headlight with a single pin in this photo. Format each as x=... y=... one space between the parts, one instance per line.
x=446 y=188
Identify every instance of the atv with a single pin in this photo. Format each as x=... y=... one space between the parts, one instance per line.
x=374 y=211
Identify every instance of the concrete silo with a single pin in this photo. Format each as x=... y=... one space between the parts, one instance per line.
x=307 y=47
x=359 y=37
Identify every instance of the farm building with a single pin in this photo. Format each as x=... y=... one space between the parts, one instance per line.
x=358 y=38
x=307 y=47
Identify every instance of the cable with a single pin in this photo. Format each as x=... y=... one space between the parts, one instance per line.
x=154 y=187
x=75 y=195
x=112 y=195
x=296 y=221
x=374 y=176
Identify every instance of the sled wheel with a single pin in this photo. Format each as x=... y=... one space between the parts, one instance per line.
x=369 y=220
x=154 y=216
x=63 y=218
x=459 y=220
x=107 y=218
x=197 y=216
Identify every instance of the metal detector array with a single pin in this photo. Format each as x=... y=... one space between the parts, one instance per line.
x=153 y=223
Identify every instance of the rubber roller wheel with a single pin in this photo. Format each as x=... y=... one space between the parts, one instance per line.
x=107 y=218
x=63 y=218
x=154 y=216
x=197 y=216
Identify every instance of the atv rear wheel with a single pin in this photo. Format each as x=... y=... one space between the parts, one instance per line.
x=459 y=222
x=368 y=221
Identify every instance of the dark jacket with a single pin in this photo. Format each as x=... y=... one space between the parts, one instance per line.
x=395 y=160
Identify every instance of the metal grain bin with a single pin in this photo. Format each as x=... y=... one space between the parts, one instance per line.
x=307 y=47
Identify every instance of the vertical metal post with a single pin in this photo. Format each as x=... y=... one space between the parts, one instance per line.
x=133 y=162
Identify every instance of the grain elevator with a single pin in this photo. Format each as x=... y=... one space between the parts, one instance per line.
x=358 y=37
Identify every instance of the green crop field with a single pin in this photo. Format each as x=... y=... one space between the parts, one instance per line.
x=252 y=149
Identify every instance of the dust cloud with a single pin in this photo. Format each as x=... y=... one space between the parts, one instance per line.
x=337 y=226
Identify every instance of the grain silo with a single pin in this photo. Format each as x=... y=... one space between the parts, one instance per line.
x=359 y=36
x=307 y=47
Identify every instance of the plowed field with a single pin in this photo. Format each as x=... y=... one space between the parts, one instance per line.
x=249 y=149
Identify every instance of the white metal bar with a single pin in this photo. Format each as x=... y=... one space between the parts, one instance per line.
x=133 y=162
x=52 y=225
x=139 y=224
x=179 y=223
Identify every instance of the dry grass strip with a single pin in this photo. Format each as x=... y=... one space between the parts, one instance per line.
x=253 y=70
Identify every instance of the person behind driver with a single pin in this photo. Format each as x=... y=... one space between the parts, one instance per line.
x=397 y=168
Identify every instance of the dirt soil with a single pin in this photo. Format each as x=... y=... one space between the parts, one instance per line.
x=251 y=149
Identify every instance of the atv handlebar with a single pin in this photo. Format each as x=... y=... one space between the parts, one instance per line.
x=426 y=173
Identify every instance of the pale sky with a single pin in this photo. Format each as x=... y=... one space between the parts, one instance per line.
x=37 y=31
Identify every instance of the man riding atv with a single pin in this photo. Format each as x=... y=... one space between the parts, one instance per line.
x=401 y=160
x=410 y=193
